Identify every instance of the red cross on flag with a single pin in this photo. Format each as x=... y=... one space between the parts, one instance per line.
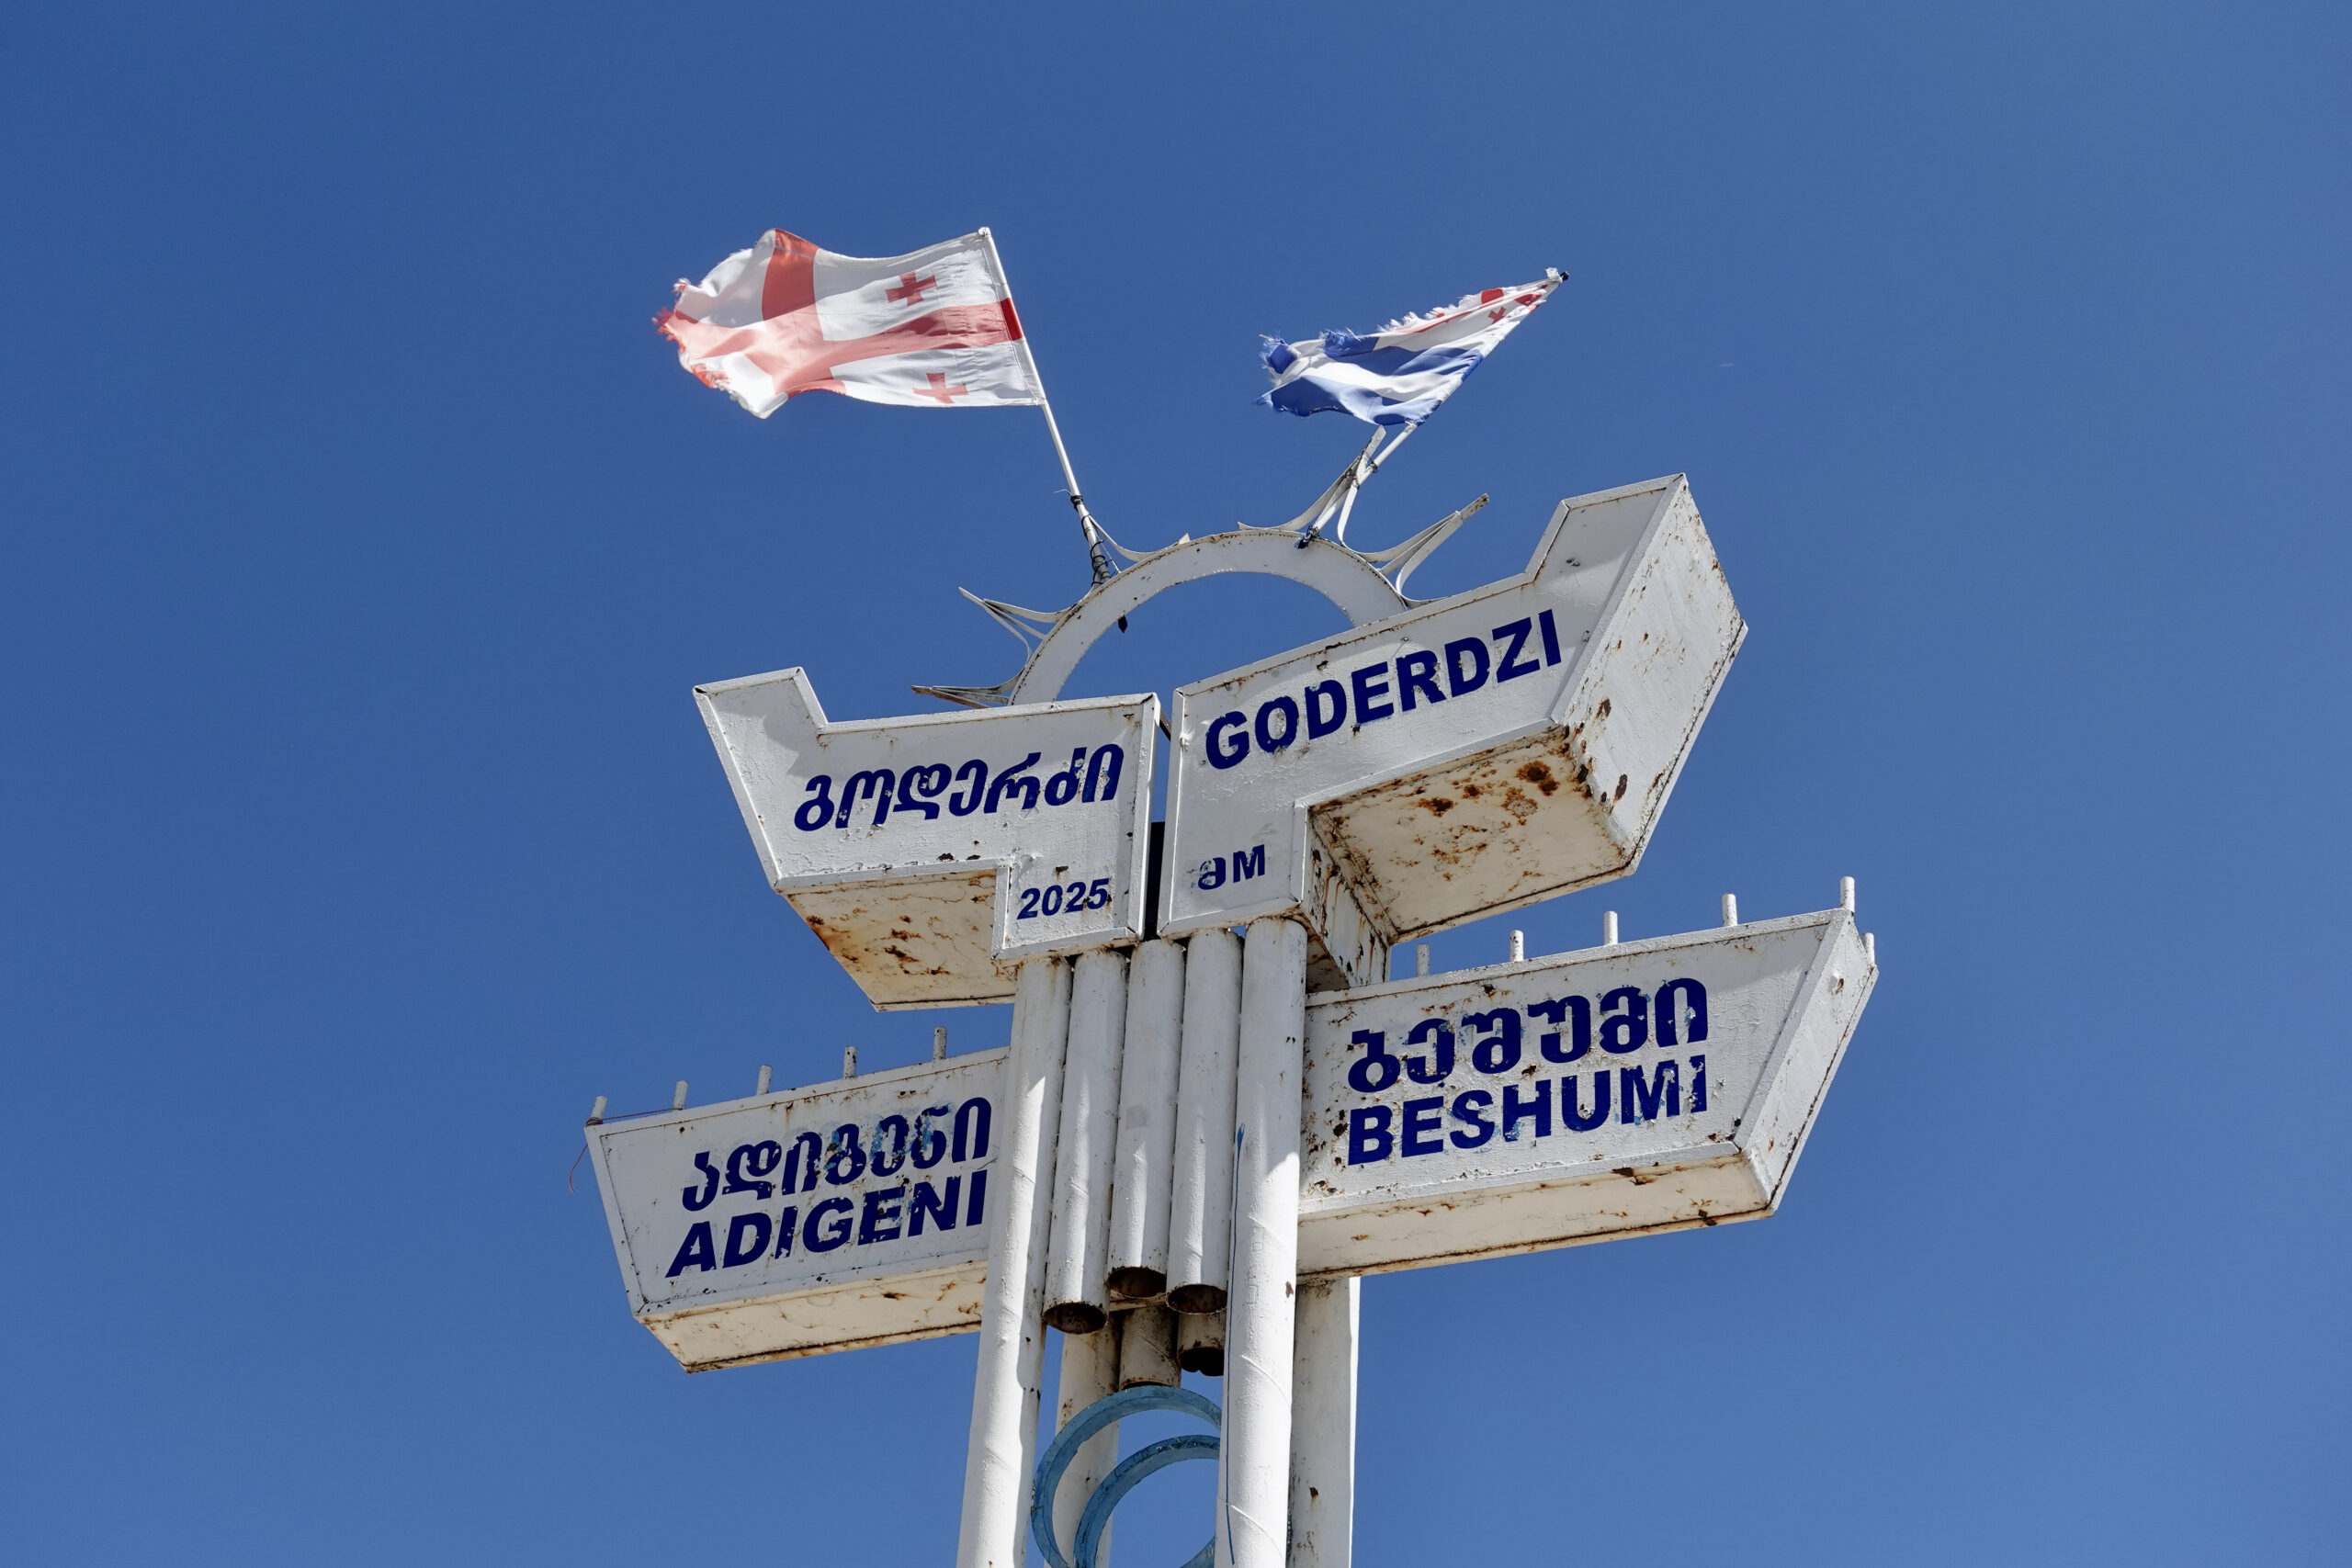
x=933 y=329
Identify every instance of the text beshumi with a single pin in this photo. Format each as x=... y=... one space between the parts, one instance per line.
x=1417 y=1126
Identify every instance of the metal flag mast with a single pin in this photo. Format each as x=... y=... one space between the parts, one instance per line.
x=1094 y=533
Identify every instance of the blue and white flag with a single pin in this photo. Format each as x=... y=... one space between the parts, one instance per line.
x=1399 y=374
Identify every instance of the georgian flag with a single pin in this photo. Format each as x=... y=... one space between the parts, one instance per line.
x=933 y=329
x=1400 y=374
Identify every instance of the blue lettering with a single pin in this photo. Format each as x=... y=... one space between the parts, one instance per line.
x=972 y=1215
x=1577 y=1014
x=1224 y=755
x=1572 y=1116
x=845 y=1160
x=746 y=1238
x=1470 y=1106
x=1511 y=666
x=930 y=1144
x=697 y=1249
x=941 y=1209
x=1011 y=781
x=696 y=1201
x=1318 y=722
x=1416 y=679
x=1698 y=1083
x=1466 y=677
x=1370 y=685
x=1102 y=774
x=1249 y=862
x=887 y=1163
x=1551 y=637
x=1062 y=788
x=976 y=775
x=1422 y=1116
x=1272 y=708
x=800 y=1174
x=1625 y=1021
x=1669 y=1024
x=1369 y=1139
x=817 y=811
x=787 y=1225
x=1538 y=1107
x=1639 y=1096
x=1499 y=1052
x=927 y=782
x=748 y=1164
x=882 y=1205
x=872 y=782
x=1378 y=1069
x=815 y=1236
x=1210 y=874
x=1421 y=1070
x=972 y=1119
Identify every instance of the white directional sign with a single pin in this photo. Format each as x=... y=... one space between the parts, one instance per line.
x=930 y=854
x=1465 y=757
x=849 y=1214
x=1624 y=1090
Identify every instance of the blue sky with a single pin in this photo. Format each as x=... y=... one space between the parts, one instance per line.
x=363 y=543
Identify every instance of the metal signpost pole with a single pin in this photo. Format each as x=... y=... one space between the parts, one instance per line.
x=1260 y=1313
x=1009 y=1383
x=1323 y=1424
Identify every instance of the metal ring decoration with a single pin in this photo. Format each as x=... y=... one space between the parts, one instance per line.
x=1124 y=1476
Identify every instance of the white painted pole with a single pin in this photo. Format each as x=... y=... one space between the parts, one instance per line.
x=1323 y=1425
x=849 y=1061
x=1261 y=1326
x=1089 y=1371
x=1147 y=1348
x=1007 y=1386
x=1518 y=947
x=678 y=1097
x=1846 y=894
x=1140 y=1174
x=1077 y=1258
x=1200 y=1211
x=767 y=1077
x=1420 y=959
x=939 y=1042
x=1200 y=1343
x=1731 y=908
x=1608 y=929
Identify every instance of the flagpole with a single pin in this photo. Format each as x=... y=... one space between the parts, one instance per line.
x=1088 y=527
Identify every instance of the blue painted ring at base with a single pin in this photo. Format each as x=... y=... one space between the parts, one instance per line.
x=1124 y=1476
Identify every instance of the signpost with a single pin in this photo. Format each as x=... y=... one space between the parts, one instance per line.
x=926 y=853
x=832 y=1218
x=1462 y=757
x=1208 y=1126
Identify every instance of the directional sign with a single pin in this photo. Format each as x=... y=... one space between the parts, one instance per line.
x=1465 y=757
x=850 y=1215
x=932 y=854
x=1647 y=1086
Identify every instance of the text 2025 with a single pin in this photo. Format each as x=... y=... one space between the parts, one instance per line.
x=1059 y=897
